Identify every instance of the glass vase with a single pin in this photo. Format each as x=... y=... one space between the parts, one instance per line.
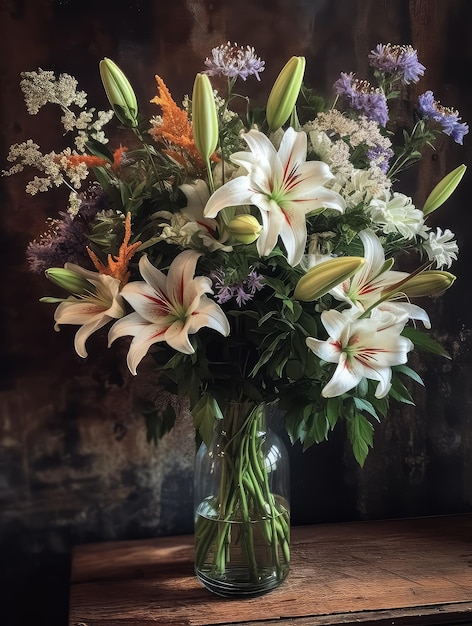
x=242 y=512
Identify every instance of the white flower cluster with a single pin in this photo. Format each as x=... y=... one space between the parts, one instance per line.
x=333 y=138
x=40 y=88
x=53 y=165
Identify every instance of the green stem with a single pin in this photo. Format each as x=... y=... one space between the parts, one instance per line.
x=244 y=497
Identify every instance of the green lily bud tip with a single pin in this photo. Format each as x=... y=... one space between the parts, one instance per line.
x=244 y=228
x=427 y=283
x=321 y=278
x=68 y=280
x=119 y=92
x=284 y=93
x=444 y=189
x=204 y=117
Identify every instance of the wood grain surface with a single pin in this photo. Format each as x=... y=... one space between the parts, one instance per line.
x=414 y=571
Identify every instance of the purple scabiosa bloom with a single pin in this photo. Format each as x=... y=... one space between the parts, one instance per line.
x=399 y=60
x=361 y=96
x=448 y=119
x=234 y=61
x=380 y=157
x=66 y=240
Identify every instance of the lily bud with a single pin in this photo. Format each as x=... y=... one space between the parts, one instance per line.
x=325 y=276
x=119 y=92
x=68 y=280
x=244 y=228
x=427 y=283
x=443 y=189
x=284 y=93
x=204 y=117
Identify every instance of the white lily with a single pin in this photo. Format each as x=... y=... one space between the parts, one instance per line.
x=168 y=308
x=283 y=185
x=361 y=348
x=91 y=309
x=198 y=194
x=364 y=289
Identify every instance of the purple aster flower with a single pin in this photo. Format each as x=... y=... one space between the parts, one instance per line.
x=448 y=119
x=361 y=96
x=234 y=61
x=380 y=157
x=400 y=60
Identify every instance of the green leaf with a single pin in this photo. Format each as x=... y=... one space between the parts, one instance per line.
x=404 y=369
x=204 y=414
x=360 y=432
x=334 y=407
x=158 y=422
x=424 y=342
x=318 y=428
x=98 y=149
x=365 y=405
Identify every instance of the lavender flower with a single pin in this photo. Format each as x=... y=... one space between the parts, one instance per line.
x=234 y=61
x=242 y=291
x=380 y=156
x=361 y=96
x=448 y=119
x=399 y=60
x=66 y=239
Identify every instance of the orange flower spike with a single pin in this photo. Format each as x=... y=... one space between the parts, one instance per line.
x=118 y=155
x=76 y=159
x=176 y=128
x=175 y=123
x=118 y=265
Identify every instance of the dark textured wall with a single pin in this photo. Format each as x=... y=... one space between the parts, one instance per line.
x=74 y=463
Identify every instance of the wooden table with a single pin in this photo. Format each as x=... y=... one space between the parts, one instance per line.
x=400 y=572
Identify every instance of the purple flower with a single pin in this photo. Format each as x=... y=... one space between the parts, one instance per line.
x=255 y=281
x=400 y=60
x=66 y=240
x=234 y=61
x=242 y=291
x=448 y=119
x=361 y=96
x=381 y=157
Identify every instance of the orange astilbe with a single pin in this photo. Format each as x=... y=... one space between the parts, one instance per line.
x=118 y=265
x=175 y=129
x=118 y=157
x=74 y=160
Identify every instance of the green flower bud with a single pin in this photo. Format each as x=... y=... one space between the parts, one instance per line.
x=443 y=189
x=325 y=276
x=427 y=283
x=284 y=93
x=244 y=228
x=119 y=92
x=204 y=117
x=70 y=281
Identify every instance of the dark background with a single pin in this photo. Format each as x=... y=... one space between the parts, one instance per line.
x=74 y=463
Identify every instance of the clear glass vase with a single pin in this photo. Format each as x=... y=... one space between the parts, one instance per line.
x=242 y=512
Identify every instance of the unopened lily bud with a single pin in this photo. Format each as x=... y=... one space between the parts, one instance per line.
x=204 y=117
x=443 y=189
x=119 y=92
x=244 y=228
x=284 y=93
x=68 y=280
x=325 y=276
x=427 y=283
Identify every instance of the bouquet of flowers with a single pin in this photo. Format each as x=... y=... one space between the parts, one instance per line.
x=249 y=251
